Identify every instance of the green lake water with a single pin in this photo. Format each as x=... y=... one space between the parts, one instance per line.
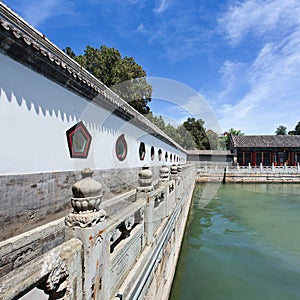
x=245 y=244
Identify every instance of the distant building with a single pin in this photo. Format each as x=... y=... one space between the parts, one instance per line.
x=209 y=155
x=265 y=149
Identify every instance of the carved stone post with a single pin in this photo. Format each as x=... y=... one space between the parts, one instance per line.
x=174 y=172
x=176 y=178
x=179 y=168
x=87 y=223
x=172 y=189
x=164 y=180
x=145 y=191
x=164 y=175
x=180 y=180
x=145 y=183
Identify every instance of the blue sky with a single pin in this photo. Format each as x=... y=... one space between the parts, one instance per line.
x=241 y=57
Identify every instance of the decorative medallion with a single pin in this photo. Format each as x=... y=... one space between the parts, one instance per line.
x=121 y=147
x=79 y=141
x=142 y=151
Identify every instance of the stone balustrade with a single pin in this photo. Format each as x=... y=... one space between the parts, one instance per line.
x=119 y=253
x=223 y=172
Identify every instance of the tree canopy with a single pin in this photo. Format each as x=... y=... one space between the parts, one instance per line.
x=213 y=138
x=296 y=131
x=190 y=135
x=231 y=131
x=128 y=79
x=196 y=129
x=235 y=132
x=121 y=74
x=281 y=130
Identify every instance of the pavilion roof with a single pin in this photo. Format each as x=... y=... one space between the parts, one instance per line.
x=265 y=141
x=208 y=152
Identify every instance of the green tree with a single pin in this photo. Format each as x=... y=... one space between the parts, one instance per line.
x=187 y=139
x=69 y=52
x=178 y=134
x=122 y=74
x=227 y=134
x=296 y=131
x=157 y=121
x=190 y=135
x=213 y=139
x=172 y=132
x=281 y=130
x=196 y=129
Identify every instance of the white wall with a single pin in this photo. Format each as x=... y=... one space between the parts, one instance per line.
x=35 y=114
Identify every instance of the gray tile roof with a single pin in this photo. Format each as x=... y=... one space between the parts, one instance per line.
x=208 y=152
x=263 y=141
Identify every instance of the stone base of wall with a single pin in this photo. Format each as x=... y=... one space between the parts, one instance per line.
x=32 y=200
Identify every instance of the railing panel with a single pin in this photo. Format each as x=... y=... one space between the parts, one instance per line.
x=125 y=256
x=57 y=273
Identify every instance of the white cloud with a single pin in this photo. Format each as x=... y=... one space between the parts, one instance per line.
x=200 y=108
x=139 y=3
x=162 y=6
x=35 y=12
x=180 y=36
x=272 y=94
x=141 y=27
x=232 y=79
x=259 y=18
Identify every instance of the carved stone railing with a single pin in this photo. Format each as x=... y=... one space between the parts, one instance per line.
x=102 y=253
x=160 y=208
x=126 y=242
x=205 y=167
x=153 y=274
x=56 y=273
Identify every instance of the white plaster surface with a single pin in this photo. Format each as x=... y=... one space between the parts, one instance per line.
x=35 y=114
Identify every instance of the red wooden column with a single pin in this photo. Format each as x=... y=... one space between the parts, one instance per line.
x=292 y=158
x=254 y=159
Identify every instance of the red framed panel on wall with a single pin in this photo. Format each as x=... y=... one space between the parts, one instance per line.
x=79 y=141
